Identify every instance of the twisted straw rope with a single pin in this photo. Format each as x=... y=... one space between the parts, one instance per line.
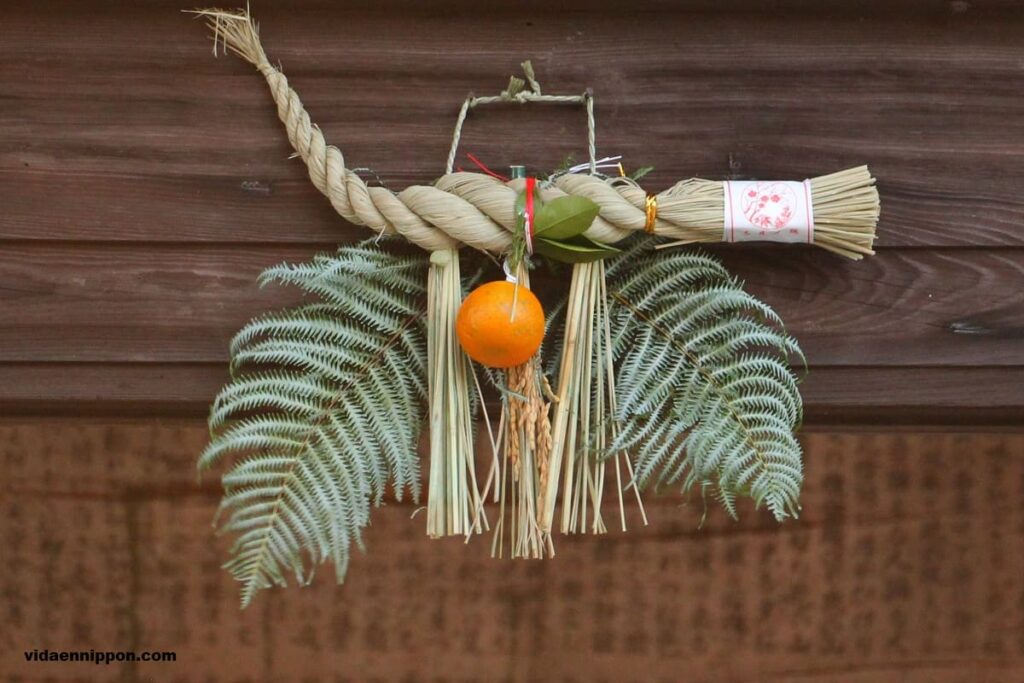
x=478 y=210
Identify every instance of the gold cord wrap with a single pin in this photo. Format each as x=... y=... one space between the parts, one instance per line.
x=477 y=210
x=651 y=209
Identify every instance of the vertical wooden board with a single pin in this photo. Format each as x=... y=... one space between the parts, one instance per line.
x=905 y=566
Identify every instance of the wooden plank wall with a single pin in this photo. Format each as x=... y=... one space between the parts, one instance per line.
x=906 y=566
x=144 y=185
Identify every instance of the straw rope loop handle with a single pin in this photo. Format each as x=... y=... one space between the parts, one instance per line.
x=517 y=92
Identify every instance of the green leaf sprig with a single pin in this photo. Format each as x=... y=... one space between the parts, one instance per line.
x=558 y=230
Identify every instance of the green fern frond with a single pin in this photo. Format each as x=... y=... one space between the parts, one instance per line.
x=705 y=392
x=324 y=409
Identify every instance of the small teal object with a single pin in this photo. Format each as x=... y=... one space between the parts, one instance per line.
x=515 y=172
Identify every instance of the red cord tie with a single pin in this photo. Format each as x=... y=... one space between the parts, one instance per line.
x=531 y=184
x=479 y=164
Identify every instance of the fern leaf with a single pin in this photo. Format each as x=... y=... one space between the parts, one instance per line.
x=705 y=392
x=324 y=410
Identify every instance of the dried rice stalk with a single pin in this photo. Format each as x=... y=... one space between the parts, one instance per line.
x=527 y=453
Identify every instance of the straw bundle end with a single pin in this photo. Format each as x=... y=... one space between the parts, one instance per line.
x=846 y=209
x=235 y=31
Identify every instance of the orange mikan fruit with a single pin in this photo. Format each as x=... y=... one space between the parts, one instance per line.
x=491 y=334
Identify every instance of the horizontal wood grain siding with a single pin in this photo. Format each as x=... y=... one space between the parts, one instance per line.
x=160 y=303
x=905 y=567
x=832 y=396
x=144 y=184
x=269 y=199
x=118 y=124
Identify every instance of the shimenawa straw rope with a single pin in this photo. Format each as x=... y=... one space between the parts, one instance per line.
x=478 y=210
x=840 y=211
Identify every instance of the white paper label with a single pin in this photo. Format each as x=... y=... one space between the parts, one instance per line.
x=768 y=211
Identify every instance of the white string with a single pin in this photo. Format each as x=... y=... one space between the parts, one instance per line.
x=509 y=277
x=607 y=162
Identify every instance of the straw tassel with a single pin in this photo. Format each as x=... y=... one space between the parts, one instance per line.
x=454 y=505
x=584 y=423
